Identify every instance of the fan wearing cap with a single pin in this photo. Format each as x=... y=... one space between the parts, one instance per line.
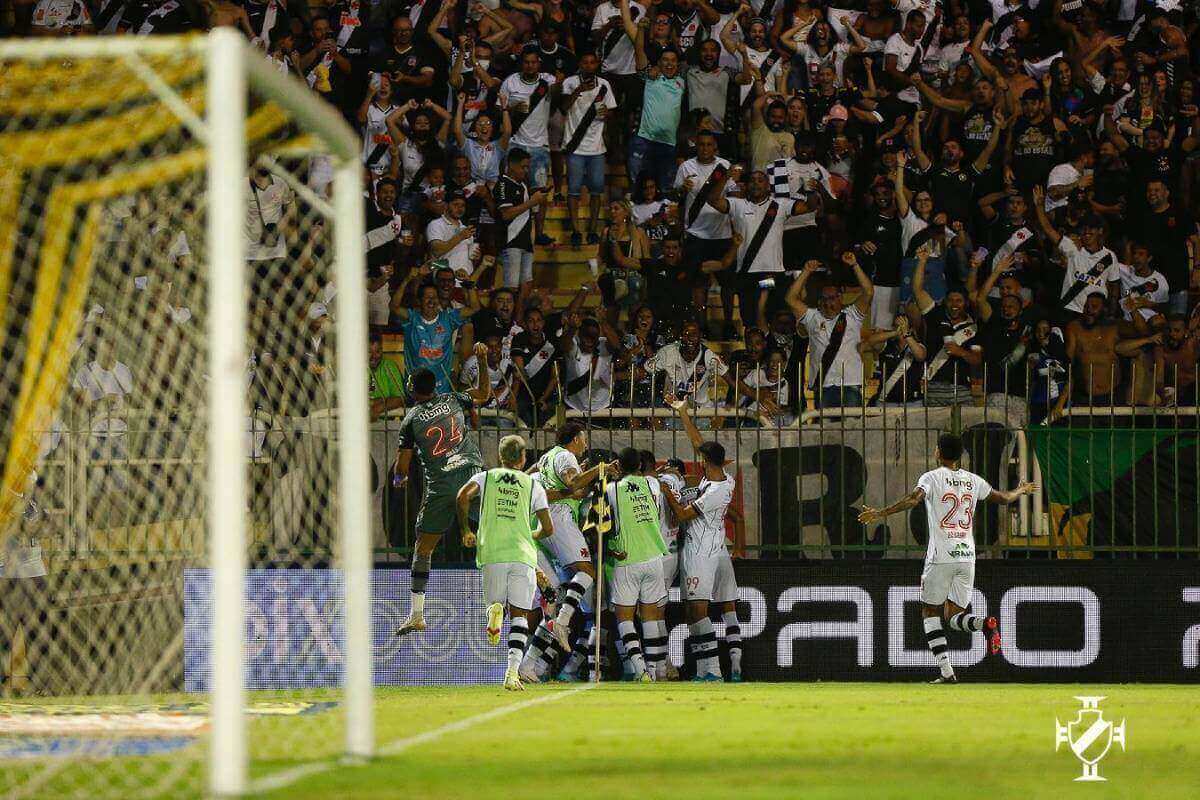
x=1090 y=266
x=449 y=237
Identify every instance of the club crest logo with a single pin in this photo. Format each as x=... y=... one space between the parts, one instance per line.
x=1090 y=736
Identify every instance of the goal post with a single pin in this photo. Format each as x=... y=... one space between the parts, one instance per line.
x=183 y=313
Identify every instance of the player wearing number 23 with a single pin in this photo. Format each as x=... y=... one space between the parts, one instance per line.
x=948 y=579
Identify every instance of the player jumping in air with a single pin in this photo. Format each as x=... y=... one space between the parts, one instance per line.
x=950 y=495
x=558 y=470
x=436 y=427
x=510 y=501
x=705 y=567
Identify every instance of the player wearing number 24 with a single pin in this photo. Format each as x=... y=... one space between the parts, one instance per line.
x=435 y=427
x=948 y=579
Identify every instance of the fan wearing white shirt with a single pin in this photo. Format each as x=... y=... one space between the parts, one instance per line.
x=705 y=565
x=904 y=52
x=759 y=220
x=834 y=335
x=1144 y=290
x=529 y=95
x=948 y=579
x=587 y=101
x=1091 y=267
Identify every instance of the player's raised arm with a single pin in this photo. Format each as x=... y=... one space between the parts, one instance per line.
x=910 y=500
x=1002 y=498
x=689 y=425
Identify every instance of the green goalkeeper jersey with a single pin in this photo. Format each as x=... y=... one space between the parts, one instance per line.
x=438 y=430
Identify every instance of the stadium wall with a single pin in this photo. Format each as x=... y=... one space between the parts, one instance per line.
x=1097 y=621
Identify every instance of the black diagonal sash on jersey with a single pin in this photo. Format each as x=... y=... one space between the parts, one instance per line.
x=831 y=349
x=107 y=12
x=539 y=94
x=760 y=236
x=585 y=122
x=764 y=69
x=539 y=359
x=614 y=36
x=702 y=195
x=419 y=175
x=767 y=7
x=1082 y=283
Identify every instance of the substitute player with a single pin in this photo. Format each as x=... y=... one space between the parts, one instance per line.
x=566 y=482
x=436 y=427
x=510 y=501
x=637 y=551
x=705 y=567
x=950 y=495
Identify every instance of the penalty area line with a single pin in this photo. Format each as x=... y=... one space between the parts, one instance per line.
x=284 y=778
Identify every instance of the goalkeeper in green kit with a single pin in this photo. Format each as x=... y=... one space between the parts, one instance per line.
x=510 y=502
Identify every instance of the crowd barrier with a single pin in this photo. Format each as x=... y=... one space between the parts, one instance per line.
x=1115 y=481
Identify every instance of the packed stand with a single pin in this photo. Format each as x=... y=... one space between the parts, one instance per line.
x=781 y=206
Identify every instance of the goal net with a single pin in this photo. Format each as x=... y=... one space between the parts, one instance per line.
x=176 y=332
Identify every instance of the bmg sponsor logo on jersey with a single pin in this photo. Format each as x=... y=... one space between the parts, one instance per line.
x=1090 y=737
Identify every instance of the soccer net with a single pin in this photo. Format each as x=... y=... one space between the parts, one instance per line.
x=170 y=389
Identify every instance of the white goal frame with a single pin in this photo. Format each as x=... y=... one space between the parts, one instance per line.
x=233 y=66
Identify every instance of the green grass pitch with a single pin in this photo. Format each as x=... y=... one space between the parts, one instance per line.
x=687 y=741
x=690 y=741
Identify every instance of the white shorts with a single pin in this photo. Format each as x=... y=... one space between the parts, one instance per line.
x=670 y=566
x=707 y=577
x=953 y=581
x=567 y=545
x=511 y=583
x=637 y=583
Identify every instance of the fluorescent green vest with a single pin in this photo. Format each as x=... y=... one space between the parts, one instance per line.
x=505 y=522
x=639 y=533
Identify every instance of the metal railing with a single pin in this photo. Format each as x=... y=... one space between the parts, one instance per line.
x=1116 y=480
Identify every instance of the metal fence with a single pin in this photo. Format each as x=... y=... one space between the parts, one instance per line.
x=1116 y=480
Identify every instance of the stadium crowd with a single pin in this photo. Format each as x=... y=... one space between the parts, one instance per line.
x=905 y=202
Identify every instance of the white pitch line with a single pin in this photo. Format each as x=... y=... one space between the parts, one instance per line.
x=283 y=778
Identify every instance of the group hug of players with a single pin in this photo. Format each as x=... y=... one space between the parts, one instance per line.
x=655 y=522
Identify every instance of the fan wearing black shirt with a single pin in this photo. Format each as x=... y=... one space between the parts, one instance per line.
x=952 y=186
x=410 y=66
x=667 y=278
x=879 y=251
x=1003 y=337
x=515 y=205
x=1167 y=230
x=1035 y=143
x=533 y=354
x=950 y=350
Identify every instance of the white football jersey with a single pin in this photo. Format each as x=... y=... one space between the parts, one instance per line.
x=706 y=533
x=669 y=482
x=950 y=498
